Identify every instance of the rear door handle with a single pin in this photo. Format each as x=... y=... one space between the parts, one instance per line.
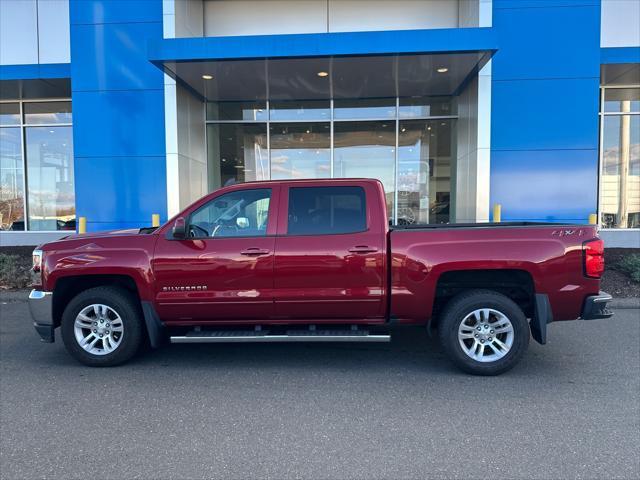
x=363 y=249
x=254 y=251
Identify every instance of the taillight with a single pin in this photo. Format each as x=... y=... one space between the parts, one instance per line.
x=593 y=258
x=37 y=260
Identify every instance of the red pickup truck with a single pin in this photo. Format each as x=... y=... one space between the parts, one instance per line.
x=315 y=260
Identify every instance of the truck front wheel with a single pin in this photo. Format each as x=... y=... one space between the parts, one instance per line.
x=483 y=332
x=101 y=327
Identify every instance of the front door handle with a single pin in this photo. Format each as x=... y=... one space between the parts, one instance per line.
x=254 y=252
x=363 y=249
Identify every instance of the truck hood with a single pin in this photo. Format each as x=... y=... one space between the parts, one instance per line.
x=107 y=233
x=78 y=240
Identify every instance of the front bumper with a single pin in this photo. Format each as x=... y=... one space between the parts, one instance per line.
x=40 y=306
x=595 y=307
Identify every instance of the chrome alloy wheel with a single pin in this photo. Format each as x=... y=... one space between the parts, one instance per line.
x=486 y=335
x=98 y=329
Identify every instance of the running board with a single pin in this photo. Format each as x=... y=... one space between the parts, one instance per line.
x=256 y=336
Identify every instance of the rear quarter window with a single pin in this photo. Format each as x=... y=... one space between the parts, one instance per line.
x=326 y=210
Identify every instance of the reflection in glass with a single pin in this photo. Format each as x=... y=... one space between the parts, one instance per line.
x=11 y=180
x=237 y=153
x=361 y=109
x=235 y=214
x=300 y=110
x=366 y=149
x=247 y=111
x=420 y=107
x=620 y=180
x=9 y=114
x=622 y=100
x=46 y=113
x=424 y=171
x=50 y=181
x=300 y=150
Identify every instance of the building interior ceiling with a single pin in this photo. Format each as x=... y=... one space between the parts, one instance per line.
x=328 y=77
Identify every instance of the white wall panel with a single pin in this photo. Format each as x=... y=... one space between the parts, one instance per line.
x=189 y=20
x=272 y=17
x=34 y=31
x=263 y=17
x=364 y=15
x=18 y=32
x=53 y=31
x=620 y=23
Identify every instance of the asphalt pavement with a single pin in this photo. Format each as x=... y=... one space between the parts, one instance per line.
x=570 y=409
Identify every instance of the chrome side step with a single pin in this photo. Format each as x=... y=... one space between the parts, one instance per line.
x=263 y=336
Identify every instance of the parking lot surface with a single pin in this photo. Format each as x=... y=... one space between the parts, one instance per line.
x=570 y=409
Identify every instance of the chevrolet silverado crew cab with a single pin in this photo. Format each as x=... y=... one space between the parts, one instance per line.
x=315 y=261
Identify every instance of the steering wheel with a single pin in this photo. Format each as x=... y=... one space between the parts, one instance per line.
x=193 y=229
x=219 y=228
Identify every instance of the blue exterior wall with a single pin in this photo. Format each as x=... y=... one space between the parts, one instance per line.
x=118 y=113
x=544 y=132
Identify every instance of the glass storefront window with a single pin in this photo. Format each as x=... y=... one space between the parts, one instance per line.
x=47 y=113
x=36 y=149
x=247 y=111
x=420 y=107
x=366 y=149
x=9 y=114
x=237 y=153
x=50 y=181
x=622 y=100
x=343 y=138
x=300 y=110
x=300 y=150
x=424 y=171
x=620 y=174
x=362 y=109
x=11 y=180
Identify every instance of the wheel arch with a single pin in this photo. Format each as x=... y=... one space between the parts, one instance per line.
x=70 y=286
x=516 y=284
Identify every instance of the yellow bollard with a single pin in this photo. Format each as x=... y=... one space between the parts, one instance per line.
x=497 y=213
x=593 y=219
x=155 y=220
x=82 y=225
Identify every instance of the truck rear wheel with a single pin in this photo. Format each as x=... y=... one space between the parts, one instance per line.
x=101 y=327
x=484 y=332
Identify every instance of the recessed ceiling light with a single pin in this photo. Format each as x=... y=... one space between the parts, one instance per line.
x=443 y=70
x=207 y=77
x=323 y=74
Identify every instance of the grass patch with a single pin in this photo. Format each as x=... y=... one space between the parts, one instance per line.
x=15 y=271
x=630 y=265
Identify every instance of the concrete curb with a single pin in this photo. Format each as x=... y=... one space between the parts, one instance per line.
x=21 y=296
x=633 y=302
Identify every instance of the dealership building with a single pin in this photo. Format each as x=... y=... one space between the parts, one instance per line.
x=116 y=110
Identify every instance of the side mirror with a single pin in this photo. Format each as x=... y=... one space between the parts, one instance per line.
x=179 y=228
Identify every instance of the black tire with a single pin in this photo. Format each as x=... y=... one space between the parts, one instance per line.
x=125 y=305
x=462 y=305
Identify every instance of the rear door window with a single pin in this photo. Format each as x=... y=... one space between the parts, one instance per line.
x=326 y=210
